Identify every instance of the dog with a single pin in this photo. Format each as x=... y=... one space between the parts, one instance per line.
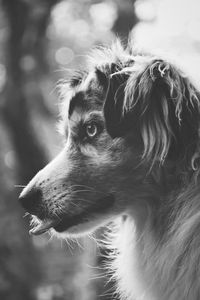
x=131 y=159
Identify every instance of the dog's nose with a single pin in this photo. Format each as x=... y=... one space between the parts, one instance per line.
x=31 y=200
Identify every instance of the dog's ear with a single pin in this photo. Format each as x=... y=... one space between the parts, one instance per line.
x=156 y=100
x=116 y=124
x=168 y=106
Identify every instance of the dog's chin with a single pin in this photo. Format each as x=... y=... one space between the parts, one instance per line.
x=83 y=229
x=70 y=227
x=84 y=222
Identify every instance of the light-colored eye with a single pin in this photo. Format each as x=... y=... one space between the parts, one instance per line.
x=91 y=130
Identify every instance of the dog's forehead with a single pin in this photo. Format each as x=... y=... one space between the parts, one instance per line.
x=87 y=96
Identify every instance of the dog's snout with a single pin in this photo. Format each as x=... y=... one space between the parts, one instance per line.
x=31 y=200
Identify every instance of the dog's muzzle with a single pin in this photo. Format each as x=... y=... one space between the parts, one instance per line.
x=31 y=201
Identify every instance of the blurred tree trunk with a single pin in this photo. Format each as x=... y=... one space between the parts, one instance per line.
x=126 y=19
x=27 y=22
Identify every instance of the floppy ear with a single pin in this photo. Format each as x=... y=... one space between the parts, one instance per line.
x=169 y=111
x=161 y=103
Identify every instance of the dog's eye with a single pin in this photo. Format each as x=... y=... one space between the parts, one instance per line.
x=91 y=130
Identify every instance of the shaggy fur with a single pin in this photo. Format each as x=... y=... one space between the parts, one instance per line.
x=131 y=123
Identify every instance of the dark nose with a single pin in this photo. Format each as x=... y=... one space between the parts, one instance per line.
x=31 y=200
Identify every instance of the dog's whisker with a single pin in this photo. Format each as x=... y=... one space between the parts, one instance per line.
x=70 y=242
x=26 y=215
x=57 y=215
x=75 y=204
x=88 y=191
x=82 y=201
x=19 y=186
x=82 y=191
x=81 y=185
x=87 y=187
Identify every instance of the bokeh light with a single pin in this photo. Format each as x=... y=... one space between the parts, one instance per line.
x=9 y=159
x=145 y=10
x=64 y=55
x=103 y=15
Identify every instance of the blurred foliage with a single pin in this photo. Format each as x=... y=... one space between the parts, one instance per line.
x=41 y=41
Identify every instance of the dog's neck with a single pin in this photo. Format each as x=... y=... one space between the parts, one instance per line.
x=158 y=255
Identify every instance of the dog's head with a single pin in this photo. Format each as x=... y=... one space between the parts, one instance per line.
x=123 y=118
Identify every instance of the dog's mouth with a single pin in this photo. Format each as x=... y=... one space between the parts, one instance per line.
x=65 y=222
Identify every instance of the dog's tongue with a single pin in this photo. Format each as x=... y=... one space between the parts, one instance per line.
x=43 y=227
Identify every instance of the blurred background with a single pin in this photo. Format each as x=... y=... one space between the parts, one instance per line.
x=41 y=41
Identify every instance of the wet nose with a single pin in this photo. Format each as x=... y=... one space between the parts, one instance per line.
x=31 y=200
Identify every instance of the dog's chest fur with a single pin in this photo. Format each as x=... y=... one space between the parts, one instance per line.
x=129 y=266
x=144 y=270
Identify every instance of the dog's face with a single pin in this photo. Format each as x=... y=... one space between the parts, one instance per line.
x=88 y=183
x=117 y=126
